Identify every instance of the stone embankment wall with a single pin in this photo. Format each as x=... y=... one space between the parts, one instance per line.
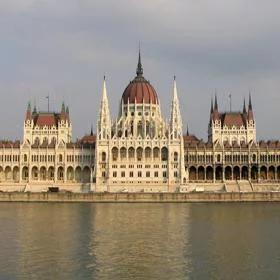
x=140 y=197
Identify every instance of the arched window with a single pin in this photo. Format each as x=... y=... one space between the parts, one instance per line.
x=148 y=152
x=37 y=141
x=139 y=129
x=164 y=154
x=139 y=153
x=131 y=153
x=123 y=153
x=156 y=153
x=60 y=158
x=115 y=154
x=103 y=156
x=175 y=156
x=254 y=158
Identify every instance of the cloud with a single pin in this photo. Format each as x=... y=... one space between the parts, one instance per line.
x=65 y=47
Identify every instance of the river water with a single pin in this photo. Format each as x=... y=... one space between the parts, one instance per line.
x=139 y=241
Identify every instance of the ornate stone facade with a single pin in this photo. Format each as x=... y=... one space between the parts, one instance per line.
x=139 y=150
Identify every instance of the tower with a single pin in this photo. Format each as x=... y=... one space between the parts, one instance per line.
x=104 y=119
x=102 y=149
x=175 y=118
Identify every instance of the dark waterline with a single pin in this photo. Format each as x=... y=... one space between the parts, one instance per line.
x=139 y=241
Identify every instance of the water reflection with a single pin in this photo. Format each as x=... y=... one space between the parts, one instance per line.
x=139 y=241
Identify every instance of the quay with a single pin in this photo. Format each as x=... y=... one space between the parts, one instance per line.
x=140 y=197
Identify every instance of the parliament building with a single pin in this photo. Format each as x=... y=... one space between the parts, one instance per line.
x=139 y=150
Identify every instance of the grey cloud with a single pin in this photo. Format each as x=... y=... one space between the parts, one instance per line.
x=65 y=47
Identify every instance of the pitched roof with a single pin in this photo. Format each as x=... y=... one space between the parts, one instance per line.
x=231 y=119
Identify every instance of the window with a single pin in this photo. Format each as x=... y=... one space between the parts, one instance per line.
x=156 y=174
x=103 y=156
x=175 y=174
x=131 y=174
x=164 y=154
x=148 y=174
x=103 y=174
x=60 y=158
x=139 y=174
x=114 y=174
x=164 y=174
x=123 y=174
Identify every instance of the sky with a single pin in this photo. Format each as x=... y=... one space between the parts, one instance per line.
x=63 y=48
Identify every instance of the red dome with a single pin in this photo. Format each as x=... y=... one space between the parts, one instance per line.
x=140 y=91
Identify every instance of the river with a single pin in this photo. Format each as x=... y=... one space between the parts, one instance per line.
x=139 y=241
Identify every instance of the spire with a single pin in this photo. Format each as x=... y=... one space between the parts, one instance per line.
x=188 y=130
x=104 y=121
x=216 y=103
x=28 y=112
x=211 y=109
x=250 y=109
x=139 y=70
x=34 y=110
x=250 y=102
x=91 y=130
x=244 y=107
x=215 y=115
x=175 y=118
x=63 y=107
x=67 y=114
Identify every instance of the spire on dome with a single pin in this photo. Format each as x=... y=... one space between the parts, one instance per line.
x=139 y=71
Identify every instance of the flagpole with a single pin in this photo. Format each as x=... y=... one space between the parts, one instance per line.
x=48 y=97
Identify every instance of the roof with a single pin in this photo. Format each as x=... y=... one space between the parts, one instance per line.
x=140 y=91
x=9 y=144
x=88 y=139
x=231 y=119
x=46 y=119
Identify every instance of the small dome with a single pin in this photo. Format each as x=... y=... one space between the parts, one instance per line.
x=140 y=90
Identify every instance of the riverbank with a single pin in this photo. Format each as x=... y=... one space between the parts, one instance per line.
x=140 y=197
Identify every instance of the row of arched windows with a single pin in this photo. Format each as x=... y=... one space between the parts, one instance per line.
x=139 y=154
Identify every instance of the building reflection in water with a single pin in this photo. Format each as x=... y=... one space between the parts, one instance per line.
x=139 y=241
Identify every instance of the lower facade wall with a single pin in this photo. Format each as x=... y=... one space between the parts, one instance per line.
x=140 y=197
x=75 y=188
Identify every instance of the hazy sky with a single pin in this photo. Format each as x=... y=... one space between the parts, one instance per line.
x=63 y=48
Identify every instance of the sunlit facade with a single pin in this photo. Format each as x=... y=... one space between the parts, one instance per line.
x=139 y=150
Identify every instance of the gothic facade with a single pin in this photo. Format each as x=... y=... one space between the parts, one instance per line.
x=139 y=150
